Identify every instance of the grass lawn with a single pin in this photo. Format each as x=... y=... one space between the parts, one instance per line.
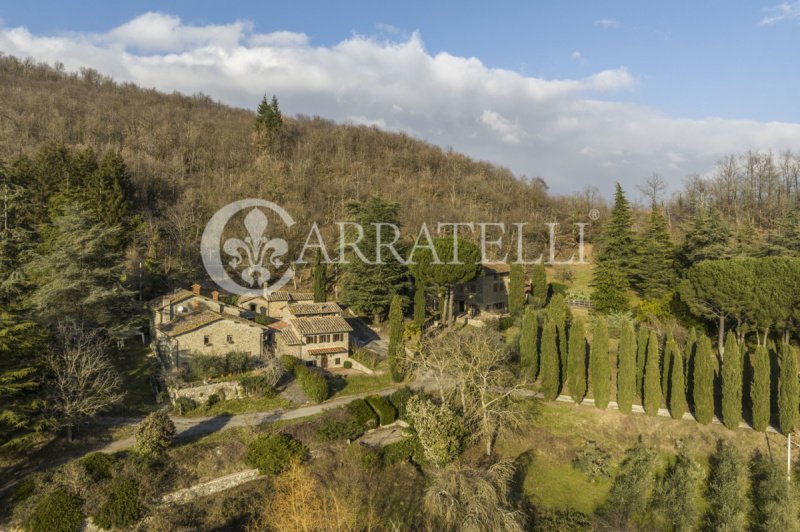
x=135 y=368
x=355 y=384
x=240 y=406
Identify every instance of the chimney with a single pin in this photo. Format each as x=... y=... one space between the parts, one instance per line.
x=215 y=295
x=196 y=289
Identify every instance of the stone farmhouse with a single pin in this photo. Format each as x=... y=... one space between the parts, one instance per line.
x=316 y=333
x=488 y=292
x=272 y=304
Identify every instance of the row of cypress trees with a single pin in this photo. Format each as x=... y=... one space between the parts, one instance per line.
x=560 y=356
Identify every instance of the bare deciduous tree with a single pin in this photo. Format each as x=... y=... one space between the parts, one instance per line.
x=653 y=187
x=83 y=381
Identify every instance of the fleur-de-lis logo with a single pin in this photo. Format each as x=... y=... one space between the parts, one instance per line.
x=255 y=246
x=251 y=257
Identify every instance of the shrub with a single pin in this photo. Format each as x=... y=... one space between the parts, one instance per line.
x=23 y=490
x=334 y=429
x=257 y=385
x=237 y=362
x=381 y=406
x=98 y=465
x=367 y=357
x=289 y=362
x=155 y=434
x=201 y=366
x=362 y=413
x=58 y=511
x=272 y=453
x=184 y=404
x=399 y=399
x=505 y=323
x=122 y=508
x=213 y=399
x=593 y=461
x=403 y=451
x=348 y=364
x=313 y=384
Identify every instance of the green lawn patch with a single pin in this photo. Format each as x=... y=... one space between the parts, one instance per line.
x=136 y=368
x=355 y=384
x=240 y=406
x=562 y=487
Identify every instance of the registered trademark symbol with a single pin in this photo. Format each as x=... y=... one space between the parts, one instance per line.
x=594 y=214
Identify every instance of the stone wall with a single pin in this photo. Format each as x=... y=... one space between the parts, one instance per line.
x=199 y=393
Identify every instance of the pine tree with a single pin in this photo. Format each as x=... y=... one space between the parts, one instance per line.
x=528 y=348
x=760 y=389
x=320 y=275
x=576 y=378
x=609 y=288
x=641 y=357
x=269 y=122
x=703 y=378
x=652 y=382
x=516 y=289
x=538 y=286
x=656 y=272
x=677 y=388
x=727 y=484
x=731 y=383
x=706 y=238
x=600 y=365
x=395 y=352
x=550 y=366
x=419 y=304
x=626 y=368
x=787 y=386
x=618 y=243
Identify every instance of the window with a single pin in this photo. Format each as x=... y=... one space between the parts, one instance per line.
x=324 y=338
x=338 y=337
x=311 y=363
x=252 y=307
x=230 y=338
x=311 y=339
x=206 y=340
x=337 y=361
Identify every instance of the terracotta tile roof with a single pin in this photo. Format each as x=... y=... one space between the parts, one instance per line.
x=178 y=295
x=285 y=295
x=307 y=309
x=189 y=322
x=496 y=267
x=289 y=337
x=327 y=351
x=278 y=325
x=320 y=325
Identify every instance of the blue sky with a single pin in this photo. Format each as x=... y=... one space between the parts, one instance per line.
x=704 y=68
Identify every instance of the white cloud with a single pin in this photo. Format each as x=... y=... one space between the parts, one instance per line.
x=577 y=56
x=558 y=129
x=607 y=23
x=781 y=12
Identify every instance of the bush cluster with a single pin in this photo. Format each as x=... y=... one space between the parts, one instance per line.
x=122 y=508
x=399 y=399
x=257 y=385
x=98 y=465
x=386 y=412
x=184 y=404
x=366 y=357
x=155 y=434
x=334 y=429
x=314 y=385
x=363 y=414
x=403 y=451
x=272 y=453
x=202 y=366
x=58 y=511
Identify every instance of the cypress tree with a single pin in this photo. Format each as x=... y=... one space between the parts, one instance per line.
x=528 y=348
x=731 y=383
x=703 y=378
x=419 y=304
x=677 y=388
x=760 y=390
x=320 y=280
x=688 y=366
x=787 y=385
x=727 y=485
x=652 y=382
x=773 y=497
x=626 y=368
x=577 y=360
x=618 y=243
x=516 y=289
x=656 y=268
x=538 y=286
x=609 y=288
x=550 y=366
x=559 y=313
x=641 y=356
x=600 y=365
x=396 y=350
x=665 y=365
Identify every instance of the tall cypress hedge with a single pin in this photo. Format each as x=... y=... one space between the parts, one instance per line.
x=641 y=358
x=652 y=377
x=703 y=379
x=626 y=368
x=665 y=365
x=576 y=377
x=731 y=383
x=760 y=390
x=550 y=371
x=677 y=388
x=787 y=396
x=600 y=365
x=528 y=345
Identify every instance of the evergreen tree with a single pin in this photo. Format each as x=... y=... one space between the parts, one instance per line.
x=609 y=288
x=677 y=492
x=641 y=357
x=109 y=191
x=774 y=506
x=631 y=490
x=652 y=382
x=688 y=366
x=706 y=238
x=727 y=483
x=703 y=378
x=760 y=389
x=395 y=352
x=269 y=122
x=731 y=383
x=419 y=304
x=677 y=389
x=656 y=267
x=559 y=312
x=538 y=286
x=626 y=368
x=516 y=289
x=550 y=366
x=618 y=243
x=787 y=385
x=368 y=288
x=600 y=365
x=528 y=348
x=669 y=347
x=320 y=275
x=576 y=378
